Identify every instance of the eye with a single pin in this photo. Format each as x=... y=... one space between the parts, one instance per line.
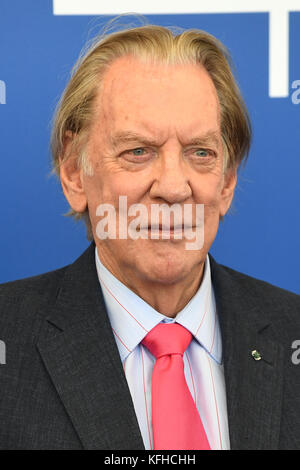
x=138 y=155
x=202 y=153
x=202 y=157
x=138 y=152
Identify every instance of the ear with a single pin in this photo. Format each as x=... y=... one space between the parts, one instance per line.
x=71 y=176
x=229 y=184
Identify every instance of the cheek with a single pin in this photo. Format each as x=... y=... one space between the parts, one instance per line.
x=208 y=193
x=123 y=187
x=107 y=188
x=93 y=189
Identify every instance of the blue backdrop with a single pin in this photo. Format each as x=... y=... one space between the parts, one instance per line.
x=37 y=51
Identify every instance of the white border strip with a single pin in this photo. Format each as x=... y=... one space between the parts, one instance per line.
x=278 y=23
x=279 y=54
x=157 y=7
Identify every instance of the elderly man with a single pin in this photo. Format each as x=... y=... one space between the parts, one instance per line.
x=145 y=341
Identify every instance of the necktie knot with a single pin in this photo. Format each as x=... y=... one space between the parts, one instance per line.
x=167 y=338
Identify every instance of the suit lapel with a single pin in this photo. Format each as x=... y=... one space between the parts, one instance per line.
x=79 y=352
x=253 y=388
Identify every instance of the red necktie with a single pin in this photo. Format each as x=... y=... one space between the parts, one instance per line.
x=175 y=419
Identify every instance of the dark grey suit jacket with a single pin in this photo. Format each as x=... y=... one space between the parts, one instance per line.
x=63 y=385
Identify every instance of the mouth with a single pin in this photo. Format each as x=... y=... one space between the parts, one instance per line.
x=161 y=228
x=168 y=226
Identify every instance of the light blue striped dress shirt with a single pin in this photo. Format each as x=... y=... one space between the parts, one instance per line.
x=132 y=318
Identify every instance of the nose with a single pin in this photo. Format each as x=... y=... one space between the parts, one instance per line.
x=171 y=183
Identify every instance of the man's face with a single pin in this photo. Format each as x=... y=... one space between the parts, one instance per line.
x=156 y=139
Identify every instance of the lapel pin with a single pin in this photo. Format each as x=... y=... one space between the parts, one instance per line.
x=256 y=355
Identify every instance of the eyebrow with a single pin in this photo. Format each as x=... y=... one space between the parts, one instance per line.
x=129 y=136
x=208 y=138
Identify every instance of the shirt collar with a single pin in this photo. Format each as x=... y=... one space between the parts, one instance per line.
x=132 y=318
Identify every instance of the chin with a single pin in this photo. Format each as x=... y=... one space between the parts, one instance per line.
x=167 y=269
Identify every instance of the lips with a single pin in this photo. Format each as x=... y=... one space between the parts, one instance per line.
x=172 y=228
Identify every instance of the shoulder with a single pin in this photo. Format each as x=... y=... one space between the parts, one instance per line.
x=32 y=285
x=260 y=287
x=24 y=303
x=253 y=292
x=28 y=297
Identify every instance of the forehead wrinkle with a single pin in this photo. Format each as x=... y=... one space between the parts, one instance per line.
x=114 y=115
x=210 y=137
x=129 y=136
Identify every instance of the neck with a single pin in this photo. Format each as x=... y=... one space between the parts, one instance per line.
x=171 y=299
